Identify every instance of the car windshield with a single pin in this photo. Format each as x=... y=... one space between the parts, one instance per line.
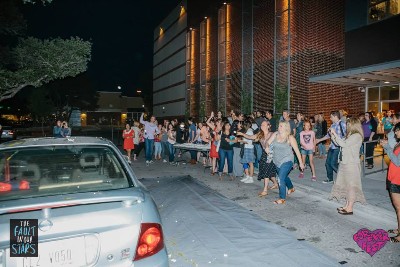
x=53 y=170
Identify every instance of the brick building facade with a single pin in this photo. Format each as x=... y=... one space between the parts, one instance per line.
x=256 y=54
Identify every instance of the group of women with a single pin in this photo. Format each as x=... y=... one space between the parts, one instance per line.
x=277 y=153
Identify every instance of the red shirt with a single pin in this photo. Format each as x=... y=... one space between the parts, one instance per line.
x=394 y=171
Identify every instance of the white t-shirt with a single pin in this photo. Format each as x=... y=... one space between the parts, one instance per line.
x=249 y=141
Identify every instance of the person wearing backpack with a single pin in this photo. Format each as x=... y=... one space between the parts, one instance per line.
x=332 y=159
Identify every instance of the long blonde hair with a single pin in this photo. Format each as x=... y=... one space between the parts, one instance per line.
x=353 y=127
x=286 y=128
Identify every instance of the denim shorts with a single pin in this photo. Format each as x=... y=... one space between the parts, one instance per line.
x=306 y=152
x=393 y=188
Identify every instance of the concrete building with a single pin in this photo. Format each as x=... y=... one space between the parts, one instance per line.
x=283 y=54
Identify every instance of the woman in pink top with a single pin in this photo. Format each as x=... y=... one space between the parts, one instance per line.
x=307 y=142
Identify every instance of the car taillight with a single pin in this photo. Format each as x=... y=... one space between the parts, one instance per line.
x=5 y=187
x=151 y=240
x=24 y=185
x=10 y=132
x=14 y=185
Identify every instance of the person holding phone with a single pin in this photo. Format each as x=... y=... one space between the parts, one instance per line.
x=348 y=183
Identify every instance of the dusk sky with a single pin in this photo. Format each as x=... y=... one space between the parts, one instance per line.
x=121 y=32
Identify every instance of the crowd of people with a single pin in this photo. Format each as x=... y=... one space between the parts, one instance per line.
x=242 y=146
x=268 y=148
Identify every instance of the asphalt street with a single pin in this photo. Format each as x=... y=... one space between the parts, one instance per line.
x=308 y=215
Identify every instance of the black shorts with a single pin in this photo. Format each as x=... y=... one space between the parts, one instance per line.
x=392 y=188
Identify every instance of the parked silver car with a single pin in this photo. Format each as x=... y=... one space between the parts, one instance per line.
x=89 y=207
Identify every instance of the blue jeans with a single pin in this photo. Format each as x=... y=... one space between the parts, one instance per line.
x=157 y=148
x=228 y=154
x=284 y=180
x=171 y=152
x=258 y=154
x=322 y=149
x=165 y=150
x=331 y=163
x=149 y=143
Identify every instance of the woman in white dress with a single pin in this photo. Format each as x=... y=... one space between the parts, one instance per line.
x=348 y=182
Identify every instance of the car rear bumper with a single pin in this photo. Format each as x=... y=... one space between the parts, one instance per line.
x=157 y=260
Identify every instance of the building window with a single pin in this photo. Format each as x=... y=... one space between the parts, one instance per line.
x=383 y=98
x=382 y=9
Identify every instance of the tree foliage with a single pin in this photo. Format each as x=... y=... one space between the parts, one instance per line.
x=28 y=61
x=39 y=62
x=37 y=1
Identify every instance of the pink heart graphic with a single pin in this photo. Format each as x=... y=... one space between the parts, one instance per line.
x=371 y=242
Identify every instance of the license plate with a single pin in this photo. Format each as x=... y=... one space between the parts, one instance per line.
x=65 y=252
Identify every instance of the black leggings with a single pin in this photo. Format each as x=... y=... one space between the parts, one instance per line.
x=138 y=148
x=369 y=150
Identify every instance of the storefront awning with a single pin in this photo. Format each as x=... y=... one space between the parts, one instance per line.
x=367 y=76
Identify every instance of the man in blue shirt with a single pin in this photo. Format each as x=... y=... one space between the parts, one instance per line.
x=331 y=163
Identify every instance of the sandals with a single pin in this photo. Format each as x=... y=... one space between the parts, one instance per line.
x=273 y=187
x=263 y=194
x=394 y=231
x=280 y=201
x=395 y=239
x=291 y=191
x=340 y=209
x=345 y=212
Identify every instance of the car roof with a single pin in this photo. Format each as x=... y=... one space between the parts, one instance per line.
x=43 y=141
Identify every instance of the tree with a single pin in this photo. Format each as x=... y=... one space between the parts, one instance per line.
x=39 y=62
x=33 y=62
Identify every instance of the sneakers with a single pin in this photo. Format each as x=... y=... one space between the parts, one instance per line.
x=327 y=181
x=301 y=175
x=151 y=161
x=147 y=162
x=244 y=178
x=164 y=160
x=314 y=178
x=249 y=180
